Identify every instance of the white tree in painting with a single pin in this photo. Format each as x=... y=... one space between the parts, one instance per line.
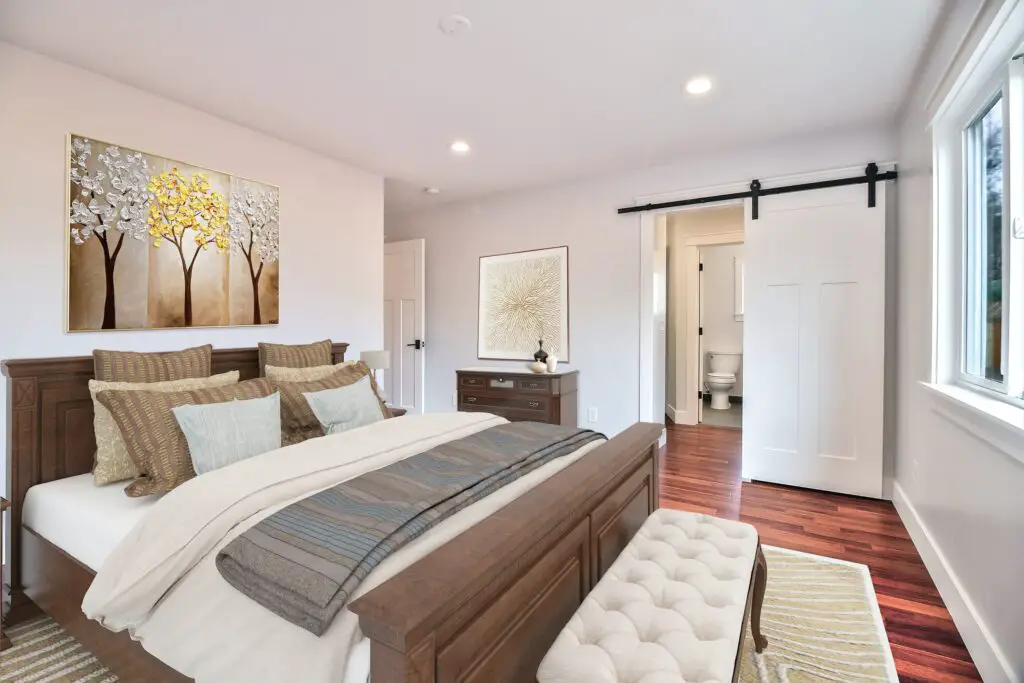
x=254 y=234
x=110 y=200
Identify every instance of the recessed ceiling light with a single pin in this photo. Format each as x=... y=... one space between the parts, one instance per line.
x=432 y=191
x=455 y=23
x=460 y=147
x=698 y=85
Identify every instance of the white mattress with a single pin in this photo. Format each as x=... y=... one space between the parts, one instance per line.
x=84 y=520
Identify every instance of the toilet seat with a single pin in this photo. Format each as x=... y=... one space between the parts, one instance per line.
x=722 y=376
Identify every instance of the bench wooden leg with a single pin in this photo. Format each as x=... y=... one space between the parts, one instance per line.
x=760 y=584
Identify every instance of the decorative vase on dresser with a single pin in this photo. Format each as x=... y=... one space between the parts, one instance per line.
x=519 y=394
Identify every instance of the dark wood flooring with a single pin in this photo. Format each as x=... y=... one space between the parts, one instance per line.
x=700 y=471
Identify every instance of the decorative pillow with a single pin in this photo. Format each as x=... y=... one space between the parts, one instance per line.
x=296 y=355
x=298 y=421
x=112 y=461
x=155 y=443
x=219 y=434
x=310 y=374
x=128 y=366
x=344 y=408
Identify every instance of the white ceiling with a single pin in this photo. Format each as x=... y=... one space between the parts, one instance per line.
x=544 y=90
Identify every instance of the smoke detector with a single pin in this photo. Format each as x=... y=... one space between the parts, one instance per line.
x=432 y=191
x=454 y=24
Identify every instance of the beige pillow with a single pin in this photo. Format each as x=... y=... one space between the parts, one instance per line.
x=298 y=421
x=112 y=462
x=151 y=433
x=296 y=355
x=305 y=374
x=129 y=366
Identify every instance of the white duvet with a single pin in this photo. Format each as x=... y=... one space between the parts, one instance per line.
x=161 y=583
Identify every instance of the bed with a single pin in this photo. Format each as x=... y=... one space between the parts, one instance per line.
x=481 y=600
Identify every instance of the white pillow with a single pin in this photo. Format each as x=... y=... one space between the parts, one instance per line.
x=344 y=408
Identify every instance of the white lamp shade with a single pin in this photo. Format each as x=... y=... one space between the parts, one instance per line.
x=377 y=360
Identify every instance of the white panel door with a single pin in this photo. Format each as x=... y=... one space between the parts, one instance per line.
x=404 y=297
x=814 y=341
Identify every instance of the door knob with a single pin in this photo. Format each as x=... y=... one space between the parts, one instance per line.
x=418 y=344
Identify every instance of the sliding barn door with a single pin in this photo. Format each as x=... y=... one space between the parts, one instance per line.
x=814 y=341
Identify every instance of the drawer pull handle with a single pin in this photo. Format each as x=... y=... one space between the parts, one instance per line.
x=535 y=404
x=535 y=385
x=471 y=399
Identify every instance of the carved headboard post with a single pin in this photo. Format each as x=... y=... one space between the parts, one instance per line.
x=50 y=427
x=22 y=424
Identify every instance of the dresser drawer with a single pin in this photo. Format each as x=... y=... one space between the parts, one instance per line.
x=472 y=381
x=510 y=414
x=486 y=401
x=534 y=384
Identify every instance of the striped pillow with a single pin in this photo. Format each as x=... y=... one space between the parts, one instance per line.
x=129 y=366
x=296 y=355
x=298 y=421
x=155 y=442
x=304 y=374
x=112 y=461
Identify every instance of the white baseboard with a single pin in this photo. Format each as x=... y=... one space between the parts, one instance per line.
x=680 y=417
x=991 y=662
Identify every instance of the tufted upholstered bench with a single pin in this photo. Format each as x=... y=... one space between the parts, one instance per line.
x=670 y=609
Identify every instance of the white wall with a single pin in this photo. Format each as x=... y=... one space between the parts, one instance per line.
x=722 y=332
x=961 y=498
x=604 y=259
x=329 y=212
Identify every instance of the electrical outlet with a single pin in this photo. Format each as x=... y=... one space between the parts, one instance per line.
x=592 y=415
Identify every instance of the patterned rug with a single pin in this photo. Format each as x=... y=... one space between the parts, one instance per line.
x=822 y=623
x=820 y=616
x=42 y=652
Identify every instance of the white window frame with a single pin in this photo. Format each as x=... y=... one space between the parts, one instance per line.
x=973 y=230
x=951 y=128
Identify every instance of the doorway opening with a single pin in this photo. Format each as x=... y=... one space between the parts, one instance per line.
x=704 y=315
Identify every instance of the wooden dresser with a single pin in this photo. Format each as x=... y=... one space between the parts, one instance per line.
x=519 y=394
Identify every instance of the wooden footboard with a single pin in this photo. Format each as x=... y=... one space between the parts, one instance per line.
x=485 y=607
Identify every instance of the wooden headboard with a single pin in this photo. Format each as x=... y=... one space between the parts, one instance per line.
x=49 y=426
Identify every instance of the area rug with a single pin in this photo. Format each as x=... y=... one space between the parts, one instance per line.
x=822 y=622
x=820 y=616
x=43 y=652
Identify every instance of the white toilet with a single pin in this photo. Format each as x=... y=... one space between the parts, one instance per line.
x=721 y=377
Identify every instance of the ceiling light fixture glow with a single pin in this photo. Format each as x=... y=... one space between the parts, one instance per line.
x=699 y=85
x=460 y=147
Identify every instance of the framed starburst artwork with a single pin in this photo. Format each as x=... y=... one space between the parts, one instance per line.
x=524 y=299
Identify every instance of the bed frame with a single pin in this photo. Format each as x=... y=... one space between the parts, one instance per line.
x=484 y=607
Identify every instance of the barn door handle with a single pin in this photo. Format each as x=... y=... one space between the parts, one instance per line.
x=418 y=344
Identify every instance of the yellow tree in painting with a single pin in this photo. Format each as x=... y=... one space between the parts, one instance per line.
x=187 y=210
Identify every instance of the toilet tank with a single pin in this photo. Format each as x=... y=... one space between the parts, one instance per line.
x=724 y=362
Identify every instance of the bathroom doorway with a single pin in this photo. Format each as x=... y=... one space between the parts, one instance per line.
x=698 y=305
x=720 y=335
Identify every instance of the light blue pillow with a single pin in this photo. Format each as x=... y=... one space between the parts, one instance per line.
x=219 y=434
x=344 y=408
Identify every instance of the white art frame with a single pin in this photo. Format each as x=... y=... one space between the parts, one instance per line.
x=519 y=291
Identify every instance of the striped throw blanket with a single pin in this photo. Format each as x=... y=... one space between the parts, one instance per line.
x=304 y=561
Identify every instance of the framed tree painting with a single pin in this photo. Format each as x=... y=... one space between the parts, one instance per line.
x=523 y=302
x=156 y=243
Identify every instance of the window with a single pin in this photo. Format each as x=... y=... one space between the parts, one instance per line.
x=991 y=268
x=984 y=234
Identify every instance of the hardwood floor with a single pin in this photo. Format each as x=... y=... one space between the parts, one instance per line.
x=700 y=471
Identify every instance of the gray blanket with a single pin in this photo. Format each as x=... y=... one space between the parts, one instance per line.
x=304 y=561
